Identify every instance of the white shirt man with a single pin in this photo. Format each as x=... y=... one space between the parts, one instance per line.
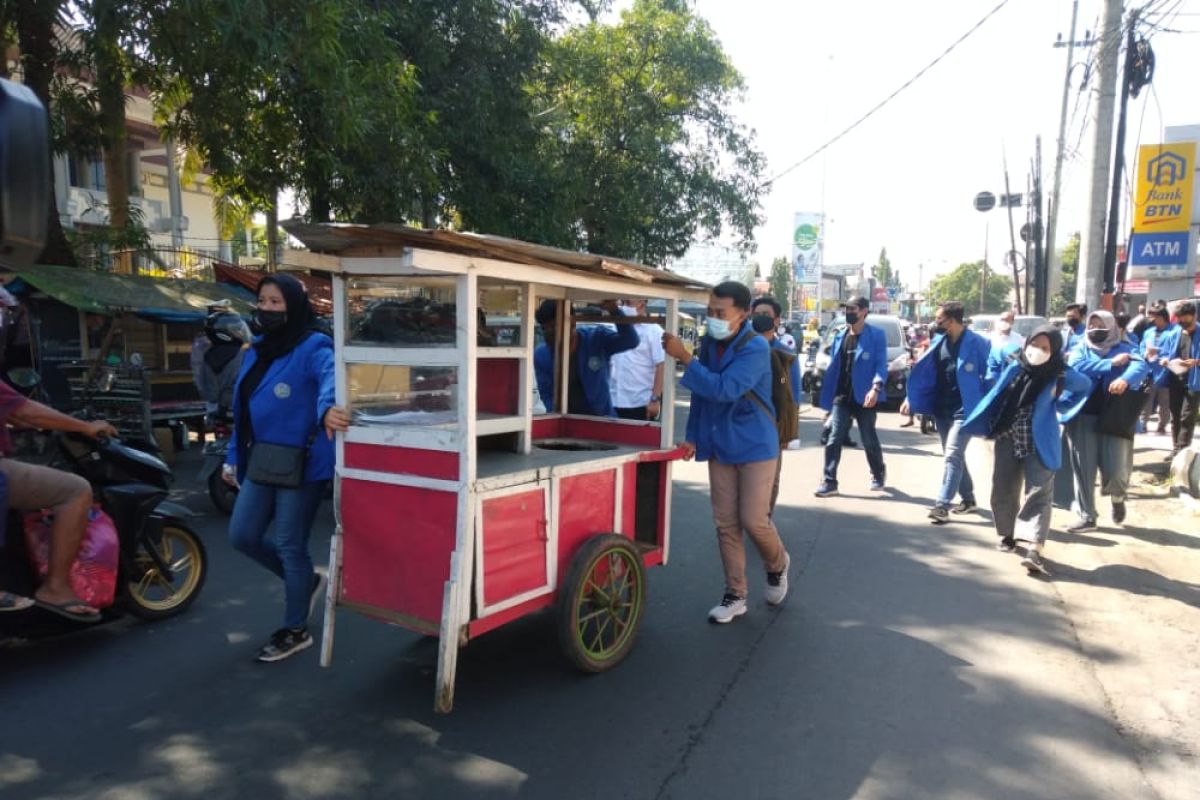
x=637 y=375
x=1003 y=333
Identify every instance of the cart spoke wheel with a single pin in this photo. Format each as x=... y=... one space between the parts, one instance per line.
x=601 y=603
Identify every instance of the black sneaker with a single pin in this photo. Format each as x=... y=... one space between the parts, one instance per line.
x=1034 y=564
x=1083 y=526
x=826 y=489
x=965 y=507
x=1007 y=545
x=1118 y=512
x=284 y=643
x=939 y=515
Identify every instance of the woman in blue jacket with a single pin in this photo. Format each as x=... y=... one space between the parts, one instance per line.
x=1113 y=367
x=284 y=396
x=1022 y=413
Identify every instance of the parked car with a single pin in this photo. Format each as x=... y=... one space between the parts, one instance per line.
x=1023 y=324
x=898 y=354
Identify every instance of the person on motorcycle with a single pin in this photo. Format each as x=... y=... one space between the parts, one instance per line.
x=32 y=488
x=228 y=335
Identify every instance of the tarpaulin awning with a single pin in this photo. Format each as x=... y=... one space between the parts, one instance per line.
x=320 y=290
x=160 y=299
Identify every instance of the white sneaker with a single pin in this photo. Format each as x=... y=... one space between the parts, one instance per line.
x=730 y=607
x=777 y=583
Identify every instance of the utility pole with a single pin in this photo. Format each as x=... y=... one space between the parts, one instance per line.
x=983 y=272
x=1091 y=251
x=1114 y=206
x=1053 y=271
x=1012 y=243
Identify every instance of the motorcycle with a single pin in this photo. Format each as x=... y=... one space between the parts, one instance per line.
x=222 y=495
x=162 y=564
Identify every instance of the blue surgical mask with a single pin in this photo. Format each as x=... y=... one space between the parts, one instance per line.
x=718 y=329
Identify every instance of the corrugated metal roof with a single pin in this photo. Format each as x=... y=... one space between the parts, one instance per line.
x=341 y=238
x=320 y=289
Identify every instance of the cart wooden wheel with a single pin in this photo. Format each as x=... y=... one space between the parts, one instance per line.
x=601 y=602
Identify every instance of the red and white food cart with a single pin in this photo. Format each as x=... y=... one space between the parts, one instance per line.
x=460 y=504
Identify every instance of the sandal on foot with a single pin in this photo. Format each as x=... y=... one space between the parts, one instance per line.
x=64 y=609
x=14 y=602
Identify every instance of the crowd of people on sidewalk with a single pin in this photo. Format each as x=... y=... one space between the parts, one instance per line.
x=1055 y=399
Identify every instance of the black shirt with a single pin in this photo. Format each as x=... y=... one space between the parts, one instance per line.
x=845 y=385
x=949 y=400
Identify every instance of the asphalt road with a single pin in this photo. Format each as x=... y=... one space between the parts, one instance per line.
x=908 y=661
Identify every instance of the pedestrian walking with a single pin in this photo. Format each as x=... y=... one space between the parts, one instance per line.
x=731 y=425
x=1113 y=367
x=1184 y=377
x=1161 y=337
x=1074 y=334
x=280 y=458
x=637 y=374
x=1022 y=415
x=851 y=391
x=1003 y=334
x=764 y=316
x=948 y=383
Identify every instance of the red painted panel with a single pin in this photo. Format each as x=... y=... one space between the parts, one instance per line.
x=499 y=381
x=406 y=460
x=548 y=427
x=652 y=558
x=397 y=546
x=492 y=621
x=629 y=498
x=514 y=545
x=602 y=430
x=585 y=508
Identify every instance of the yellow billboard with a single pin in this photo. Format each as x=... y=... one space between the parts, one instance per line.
x=1164 y=187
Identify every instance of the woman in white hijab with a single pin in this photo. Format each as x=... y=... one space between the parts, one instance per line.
x=1114 y=367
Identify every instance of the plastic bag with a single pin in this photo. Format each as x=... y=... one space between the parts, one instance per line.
x=94 y=573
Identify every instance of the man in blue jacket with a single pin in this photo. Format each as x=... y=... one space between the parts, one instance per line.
x=851 y=390
x=1075 y=330
x=592 y=349
x=1160 y=337
x=948 y=383
x=1184 y=388
x=731 y=425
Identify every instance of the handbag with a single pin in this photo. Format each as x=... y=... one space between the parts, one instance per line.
x=278 y=465
x=1119 y=412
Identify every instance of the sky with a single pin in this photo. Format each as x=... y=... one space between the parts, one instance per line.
x=905 y=179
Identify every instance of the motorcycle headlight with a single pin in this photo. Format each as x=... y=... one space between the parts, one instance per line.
x=900 y=363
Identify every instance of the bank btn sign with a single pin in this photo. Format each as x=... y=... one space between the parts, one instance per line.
x=1160 y=247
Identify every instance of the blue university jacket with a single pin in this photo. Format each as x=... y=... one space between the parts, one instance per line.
x=1101 y=372
x=596 y=346
x=794 y=374
x=723 y=423
x=289 y=404
x=1165 y=343
x=1193 y=376
x=870 y=365
x=1048 y=412
x=998 y=360
x=971 y=369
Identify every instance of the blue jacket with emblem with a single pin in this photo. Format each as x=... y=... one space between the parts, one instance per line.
x=596 y=346
x=1049 y=412
x=1100 y=370
x=794 y=372
x=1164 y=343
x=971 y=370
x=289 y=405
x=870 y=365
x=724 y=423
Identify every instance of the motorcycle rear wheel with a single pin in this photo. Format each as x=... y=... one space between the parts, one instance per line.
x=148 y=594
x=223 y=495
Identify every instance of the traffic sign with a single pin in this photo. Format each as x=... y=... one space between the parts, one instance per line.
x=985 y=201
x=893 y=291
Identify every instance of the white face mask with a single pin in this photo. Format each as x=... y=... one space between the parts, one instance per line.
x=1036 y=355
x=1004 y=326
x=629 y=311
x=718 y=329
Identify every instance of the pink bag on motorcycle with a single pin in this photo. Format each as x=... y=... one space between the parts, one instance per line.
x=94 y=573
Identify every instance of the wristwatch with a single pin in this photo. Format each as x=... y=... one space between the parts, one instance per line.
x=656 y=398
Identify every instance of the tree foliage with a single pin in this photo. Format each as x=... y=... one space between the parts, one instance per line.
x=963 y=285
x=781 y=280
x=1069 y=263
x=883 y=272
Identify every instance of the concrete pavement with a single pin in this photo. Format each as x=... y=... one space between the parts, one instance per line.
x=909 y=661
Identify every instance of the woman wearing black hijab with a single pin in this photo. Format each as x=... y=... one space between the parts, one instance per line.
x=1022 y=414
x=284 y=396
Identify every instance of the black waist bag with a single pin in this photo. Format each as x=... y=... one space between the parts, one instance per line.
x=1119 y=413
x=278 y=465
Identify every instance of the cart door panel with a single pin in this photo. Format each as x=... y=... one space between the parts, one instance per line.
x=515 y=540
x=586 y=506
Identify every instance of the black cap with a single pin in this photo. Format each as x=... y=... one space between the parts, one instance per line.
x=858 y=301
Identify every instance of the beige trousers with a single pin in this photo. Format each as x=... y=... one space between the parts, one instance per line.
x=741 y=500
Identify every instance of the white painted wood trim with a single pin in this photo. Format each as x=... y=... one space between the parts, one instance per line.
x=402 y=356
x=443 y=439
x=666 y=413
x=528 y=375
x=666 y=545
x=333 y=590
x=513 y=424
x=618 y=488
x=503 y=352
x=399 y=479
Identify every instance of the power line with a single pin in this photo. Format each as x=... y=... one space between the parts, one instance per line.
x=889 y=98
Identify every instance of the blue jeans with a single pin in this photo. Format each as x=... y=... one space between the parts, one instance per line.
x=843 y=413
x=956 y=479
x=286 y=552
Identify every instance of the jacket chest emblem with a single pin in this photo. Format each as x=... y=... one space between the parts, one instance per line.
x=968 y=367
x=283 y=391
x=864 y=355
x=595 y=363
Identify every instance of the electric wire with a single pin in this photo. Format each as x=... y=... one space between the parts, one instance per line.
x=887 y=99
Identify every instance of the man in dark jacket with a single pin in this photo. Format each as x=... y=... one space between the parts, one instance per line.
x=731 y=425
x=592 y=349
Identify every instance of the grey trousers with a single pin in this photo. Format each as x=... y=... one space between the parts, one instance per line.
x=1160 y=397
x=1008 y=506
x=1089 y=451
